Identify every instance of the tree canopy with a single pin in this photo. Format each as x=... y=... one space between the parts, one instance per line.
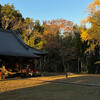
x=68 y=44
x=92 y=35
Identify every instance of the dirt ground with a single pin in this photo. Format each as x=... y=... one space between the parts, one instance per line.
x=76 y=87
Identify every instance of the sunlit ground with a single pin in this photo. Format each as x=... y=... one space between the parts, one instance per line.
x=76 y=87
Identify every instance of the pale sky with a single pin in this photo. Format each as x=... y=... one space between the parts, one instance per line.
x=72 y=10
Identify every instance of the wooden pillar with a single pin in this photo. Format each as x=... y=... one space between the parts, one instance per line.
x=41 y=66
x=33 y=65
x=3 y=70
x=27 y=70
x=0 y=73
x=81 y=65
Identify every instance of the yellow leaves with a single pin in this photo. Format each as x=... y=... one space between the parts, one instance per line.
x=93 y=7
x=85 y=20
x=91 y=48
x=84 y=35
x=96 y=2
x=92 y=35
x=97 y=62
x=40 y=45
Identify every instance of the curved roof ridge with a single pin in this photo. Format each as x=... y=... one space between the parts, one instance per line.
x=17 y=36
x=37 y=51
x=27 y=47
x=11 y=44
x=6 y=30
x=20 y=39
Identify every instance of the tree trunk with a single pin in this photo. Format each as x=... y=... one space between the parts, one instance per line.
x=78 y=64
x=81 y=65
x=63 y=62
x=86 y=63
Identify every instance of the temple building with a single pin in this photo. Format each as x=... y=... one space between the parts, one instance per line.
x=15 y=56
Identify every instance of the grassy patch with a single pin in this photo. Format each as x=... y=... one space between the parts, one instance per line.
x=39 y=89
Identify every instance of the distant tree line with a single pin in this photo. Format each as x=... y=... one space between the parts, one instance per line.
x=71 y=47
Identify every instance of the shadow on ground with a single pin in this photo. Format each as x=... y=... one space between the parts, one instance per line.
x=92 y=80
x=54 y=91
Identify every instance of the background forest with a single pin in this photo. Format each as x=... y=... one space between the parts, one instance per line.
x=71 y=47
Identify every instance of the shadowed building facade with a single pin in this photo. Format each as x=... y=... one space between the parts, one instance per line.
x=15 y=54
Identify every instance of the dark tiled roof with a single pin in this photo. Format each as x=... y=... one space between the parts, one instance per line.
x=11 y=44
x=36 y=51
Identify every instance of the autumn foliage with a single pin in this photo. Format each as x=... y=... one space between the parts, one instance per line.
x=92 y=35
x=69 y=45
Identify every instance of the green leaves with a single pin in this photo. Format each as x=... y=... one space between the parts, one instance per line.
x=11 y=18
